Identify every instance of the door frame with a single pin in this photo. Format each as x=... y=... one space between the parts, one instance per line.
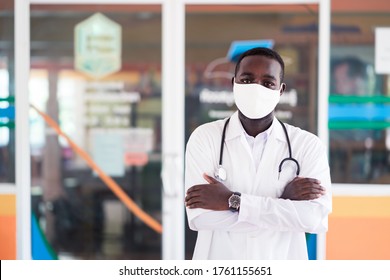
x=173 y=125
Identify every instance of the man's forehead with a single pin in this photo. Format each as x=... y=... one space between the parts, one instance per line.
x=255 y=62
x=259 y=59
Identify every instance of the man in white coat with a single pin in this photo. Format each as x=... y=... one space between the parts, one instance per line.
x=255 y=186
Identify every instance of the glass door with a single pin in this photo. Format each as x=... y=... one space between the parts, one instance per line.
x=217 y=34
x=7 y=132
x=115 y=77
x=95 y=70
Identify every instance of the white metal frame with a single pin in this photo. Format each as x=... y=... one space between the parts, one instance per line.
x=173 y=47
x=22 y=149
x=7 y=188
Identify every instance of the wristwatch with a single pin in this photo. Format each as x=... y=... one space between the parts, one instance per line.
x=234 y=201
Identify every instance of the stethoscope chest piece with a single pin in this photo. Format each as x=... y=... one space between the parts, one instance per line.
x=220 y=174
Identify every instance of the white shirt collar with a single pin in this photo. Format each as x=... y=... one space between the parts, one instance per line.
x=263 y=135
x=235 y=129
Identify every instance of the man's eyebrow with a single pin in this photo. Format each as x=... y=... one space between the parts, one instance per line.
x=246 y=74
x=250 y=74
x=269 y=76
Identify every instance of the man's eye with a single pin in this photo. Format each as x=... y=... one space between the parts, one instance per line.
x=269 y=85
x=246 y=81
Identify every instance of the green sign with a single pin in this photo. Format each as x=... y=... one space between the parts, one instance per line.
x=98 y=48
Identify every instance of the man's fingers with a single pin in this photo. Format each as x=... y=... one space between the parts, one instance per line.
x=195 y=205
x=306 y=180
x=193 y=190
x=311 y=196
x=193 y=200
x=316 y=190
x=190 y=196
x=307 y=196
x=310 y=187
x=209 y=179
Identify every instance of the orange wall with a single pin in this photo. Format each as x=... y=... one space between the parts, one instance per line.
x=359 y=229
x=7 y=227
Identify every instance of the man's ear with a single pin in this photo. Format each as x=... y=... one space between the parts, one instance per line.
x=282 y=88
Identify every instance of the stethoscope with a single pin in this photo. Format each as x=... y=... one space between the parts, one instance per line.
x=221 y=175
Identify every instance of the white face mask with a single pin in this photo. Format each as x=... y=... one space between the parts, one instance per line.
x=255 y=101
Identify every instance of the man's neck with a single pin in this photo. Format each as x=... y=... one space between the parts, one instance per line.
x=255 y=126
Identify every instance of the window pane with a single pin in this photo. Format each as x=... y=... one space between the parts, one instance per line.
x=359 y=110
x=7 y=104
x=209 y=69
x=96 y=70
x=210 y=33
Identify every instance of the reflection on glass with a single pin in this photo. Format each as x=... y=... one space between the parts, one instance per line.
x=211 y=31
x=115 y=117
x=358 y=104
x=209 y=70
x=7 y=100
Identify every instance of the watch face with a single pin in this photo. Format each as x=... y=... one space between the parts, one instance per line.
x=234 y=201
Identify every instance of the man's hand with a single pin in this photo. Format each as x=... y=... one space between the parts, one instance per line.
x=213 y=196
x=303 y=189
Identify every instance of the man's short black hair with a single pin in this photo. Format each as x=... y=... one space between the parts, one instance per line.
x=262 y=52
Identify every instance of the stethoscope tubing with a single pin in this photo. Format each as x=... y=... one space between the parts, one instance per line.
x=290 y=157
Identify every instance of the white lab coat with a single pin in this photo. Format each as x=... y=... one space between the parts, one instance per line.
x=266 y=227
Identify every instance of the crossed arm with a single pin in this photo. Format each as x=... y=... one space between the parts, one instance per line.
x=304 y=204
x=215 y=195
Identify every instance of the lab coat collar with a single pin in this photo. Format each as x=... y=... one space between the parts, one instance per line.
x=235 y=129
